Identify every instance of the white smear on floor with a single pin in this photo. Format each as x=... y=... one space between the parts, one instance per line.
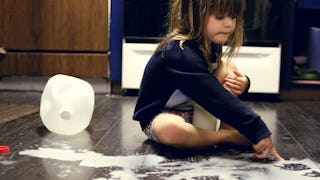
x=93 y=159
x=151 y=165
x=6 y=162
x=124 y=174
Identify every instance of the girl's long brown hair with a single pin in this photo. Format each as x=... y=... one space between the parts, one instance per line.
x=187 y=20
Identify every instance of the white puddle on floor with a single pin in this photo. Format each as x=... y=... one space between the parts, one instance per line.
x=143 y=166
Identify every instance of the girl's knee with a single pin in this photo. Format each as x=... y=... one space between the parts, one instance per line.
x=224 y=69
x=170 y=129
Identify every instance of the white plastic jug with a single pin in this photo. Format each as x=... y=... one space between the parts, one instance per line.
x=66 y=105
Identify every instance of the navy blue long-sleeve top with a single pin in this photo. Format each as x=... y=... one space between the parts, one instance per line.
x=186 y=69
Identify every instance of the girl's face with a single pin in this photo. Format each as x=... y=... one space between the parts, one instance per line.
x=219 y=29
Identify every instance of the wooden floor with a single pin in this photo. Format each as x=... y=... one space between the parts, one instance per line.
x=113 y=147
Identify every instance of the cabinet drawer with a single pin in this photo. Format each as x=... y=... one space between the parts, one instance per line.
x=65 y=25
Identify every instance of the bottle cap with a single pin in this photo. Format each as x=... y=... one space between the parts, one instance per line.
x=4 y=149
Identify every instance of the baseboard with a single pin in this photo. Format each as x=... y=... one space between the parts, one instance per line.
x=37 y=84
x=300 y=93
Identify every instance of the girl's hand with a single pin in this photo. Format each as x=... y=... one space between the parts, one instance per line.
x=265 y=147
x=236 y=83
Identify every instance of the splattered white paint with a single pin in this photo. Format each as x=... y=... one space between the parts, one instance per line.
x=143 y=166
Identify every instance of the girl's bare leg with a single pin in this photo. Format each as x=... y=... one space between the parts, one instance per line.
x=242 y=140
x=173 y=130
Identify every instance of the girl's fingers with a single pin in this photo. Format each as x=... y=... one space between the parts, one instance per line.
x=234 y=85
x=259 y=149
x=262 y=154
x=238 y=73
x=232 y=80
x=276 y=154
x=235 y=89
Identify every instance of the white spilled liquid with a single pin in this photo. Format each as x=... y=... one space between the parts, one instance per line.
x=221 y=167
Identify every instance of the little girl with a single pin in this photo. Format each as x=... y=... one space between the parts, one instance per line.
x=187 y=70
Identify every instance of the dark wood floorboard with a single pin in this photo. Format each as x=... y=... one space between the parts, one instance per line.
x=114 y=138
x=310 y=108
x=302 y=125
x=280 y=124
x=124 y=137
